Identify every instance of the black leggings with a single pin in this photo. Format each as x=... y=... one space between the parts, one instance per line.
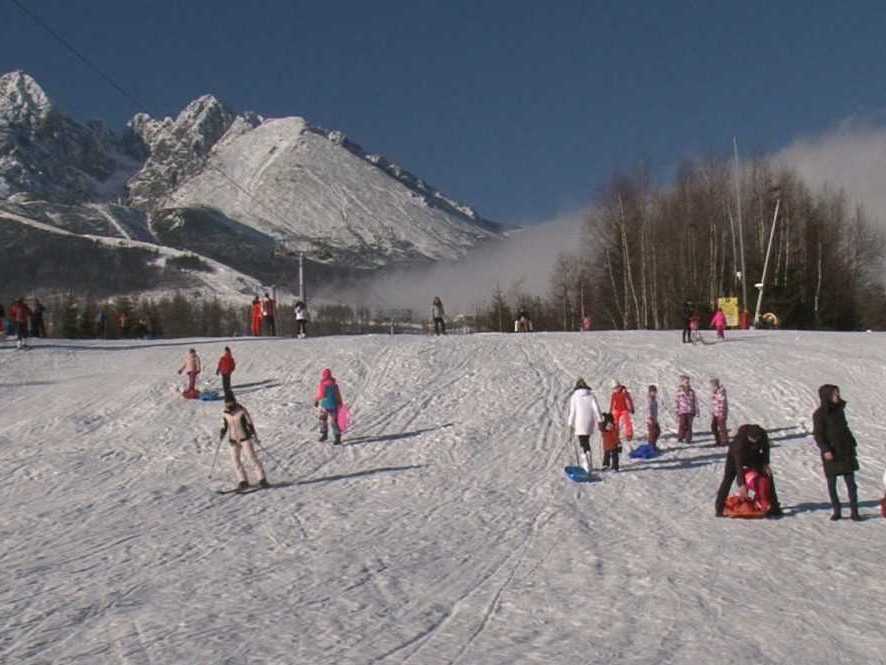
x=584 y=441
x=851 y=487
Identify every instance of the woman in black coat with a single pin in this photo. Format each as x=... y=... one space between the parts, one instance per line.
x=748 y=450
x=837 y=447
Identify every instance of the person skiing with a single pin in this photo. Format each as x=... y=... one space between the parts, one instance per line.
x=255 y=314
x=226 y=367
x=192 y=367
x=837 y=446
x=611 y=442
x=20 y=314
x=653 y=430
x=584 y=413
x=38 y=326
x=686 y=410
x=439 y=316
x=328 y=400
x=718 y=322
x=719 y=413
x=301 y=319
x=621 y=406
x=749 y=451
x=241 y=433
x=268 y=315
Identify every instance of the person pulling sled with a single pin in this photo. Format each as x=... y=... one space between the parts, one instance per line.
x=241 y=433
x=584 y=414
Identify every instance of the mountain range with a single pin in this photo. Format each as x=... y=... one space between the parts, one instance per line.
x=235 y=196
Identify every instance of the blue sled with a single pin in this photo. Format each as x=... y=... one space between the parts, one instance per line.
x=646 y=451
x=578 y=474
x=210 y=396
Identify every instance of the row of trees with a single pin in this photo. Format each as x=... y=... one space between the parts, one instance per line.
x=648 y=250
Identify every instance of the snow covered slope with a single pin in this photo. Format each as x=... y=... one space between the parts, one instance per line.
x=445 y=531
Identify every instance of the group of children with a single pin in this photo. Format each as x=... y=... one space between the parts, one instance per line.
x=238 y=424
x=617 y=426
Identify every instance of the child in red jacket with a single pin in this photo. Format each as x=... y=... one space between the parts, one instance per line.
x=611 y=443
x=226 y=367
x=621 y=406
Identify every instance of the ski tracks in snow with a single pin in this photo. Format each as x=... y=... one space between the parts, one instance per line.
x=443 y=531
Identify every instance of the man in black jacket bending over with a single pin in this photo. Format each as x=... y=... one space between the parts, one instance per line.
x=748 y=450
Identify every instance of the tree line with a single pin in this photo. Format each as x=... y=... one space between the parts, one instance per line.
x=647 y=250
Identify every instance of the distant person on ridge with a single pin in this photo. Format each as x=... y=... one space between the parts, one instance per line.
x=20 y=314
x=255 y=314
x=687 y=316
x=439 y=316
x=328 y=400
x=269 y=316
x=718 y=323
x=192 y=367
x=38 y=325
x=241 y=433
x=301 y=319
x=523 y=322
x=837 y=445
x=584 y=414
x=226 y=367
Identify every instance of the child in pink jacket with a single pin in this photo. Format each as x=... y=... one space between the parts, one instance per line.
x=192 y=367
x=719 y=413
x=719 y=323
x=687 y=409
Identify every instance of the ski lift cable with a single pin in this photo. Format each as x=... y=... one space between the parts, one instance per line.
x=138 y=104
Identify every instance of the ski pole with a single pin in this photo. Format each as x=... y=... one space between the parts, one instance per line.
x=265 y=452
x=214 y=458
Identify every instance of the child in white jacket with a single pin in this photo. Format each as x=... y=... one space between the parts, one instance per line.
x=584 y=414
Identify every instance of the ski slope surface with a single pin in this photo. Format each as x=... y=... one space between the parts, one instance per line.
x=444 y=530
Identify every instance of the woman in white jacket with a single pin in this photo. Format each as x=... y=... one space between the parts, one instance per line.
x=584 y=414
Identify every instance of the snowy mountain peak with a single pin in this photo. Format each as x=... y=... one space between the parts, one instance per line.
x=22 y=101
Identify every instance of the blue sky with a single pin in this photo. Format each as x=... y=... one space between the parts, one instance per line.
x=520 y=109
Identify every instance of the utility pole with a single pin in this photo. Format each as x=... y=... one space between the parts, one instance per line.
x=301 y=276
x=744 y=272
x=766 y=263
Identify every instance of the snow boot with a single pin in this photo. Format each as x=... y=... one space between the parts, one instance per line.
x=323 y=437
x=337 y=440
x=264 y=484
x=242 y=485
x=588 y=466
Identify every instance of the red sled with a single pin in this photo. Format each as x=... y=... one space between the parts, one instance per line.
x=760 y=486
x=883 y=507
x=191 y=394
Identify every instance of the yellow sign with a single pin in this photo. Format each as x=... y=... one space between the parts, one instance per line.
x=730 y=309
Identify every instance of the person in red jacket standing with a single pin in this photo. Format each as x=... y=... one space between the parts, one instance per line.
x=269 y=316
x=621 y=406
x=256 y=317
x=20 y=314
x=226 y=367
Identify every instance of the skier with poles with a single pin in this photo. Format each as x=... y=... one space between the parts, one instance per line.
x=584 y=414
x=241 y=433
